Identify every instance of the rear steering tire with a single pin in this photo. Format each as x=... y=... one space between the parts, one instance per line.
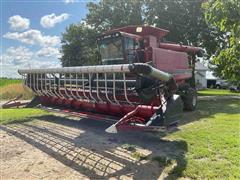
x=190 y=99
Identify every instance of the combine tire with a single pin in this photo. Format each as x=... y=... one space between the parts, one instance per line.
x=190 y=99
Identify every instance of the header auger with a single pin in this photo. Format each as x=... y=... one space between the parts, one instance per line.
x=142 y=83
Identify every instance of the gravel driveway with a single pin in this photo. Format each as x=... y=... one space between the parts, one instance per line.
x=59 y=147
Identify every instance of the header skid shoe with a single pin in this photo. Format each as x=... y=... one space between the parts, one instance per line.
x=112 y=129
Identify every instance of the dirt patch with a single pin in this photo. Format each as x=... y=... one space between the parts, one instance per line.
x=56 y=147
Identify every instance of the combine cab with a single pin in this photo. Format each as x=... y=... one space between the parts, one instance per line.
x=142 y=83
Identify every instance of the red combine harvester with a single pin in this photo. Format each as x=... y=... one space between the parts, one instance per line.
x=142 y=83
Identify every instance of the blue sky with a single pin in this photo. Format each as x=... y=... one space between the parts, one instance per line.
x=31 y=32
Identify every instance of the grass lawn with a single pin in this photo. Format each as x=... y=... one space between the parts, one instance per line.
x=18 y=115
x=217 y=92
x=213 y=141
x=11 y=88
x=5 y=81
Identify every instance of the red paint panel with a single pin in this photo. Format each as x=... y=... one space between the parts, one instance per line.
x=179 y=47
x=182 y=77
x=145 y=111
x=167 y=60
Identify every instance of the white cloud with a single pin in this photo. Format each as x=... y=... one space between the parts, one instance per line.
x=69 y=1
x=21 y=57
x=33 y=37
x=18 y=23
x=49 y=52
x=9 y=71
x=51 y=20
x=17 y=55
x=12 y=70
x=44 y=65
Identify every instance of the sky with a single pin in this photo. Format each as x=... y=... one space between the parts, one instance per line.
x=31 y=32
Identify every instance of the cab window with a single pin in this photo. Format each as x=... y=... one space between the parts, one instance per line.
x=130 y=49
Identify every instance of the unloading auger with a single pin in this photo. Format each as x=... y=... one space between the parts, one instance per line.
x=142 y=83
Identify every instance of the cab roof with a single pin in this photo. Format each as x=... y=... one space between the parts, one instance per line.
x=142 y=31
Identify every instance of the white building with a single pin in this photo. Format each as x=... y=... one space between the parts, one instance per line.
x=200 y=75
x=211 y=79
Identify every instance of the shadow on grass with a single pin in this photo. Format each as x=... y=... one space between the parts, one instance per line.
x=9 y=122
x=84 y=146
x=209 y=107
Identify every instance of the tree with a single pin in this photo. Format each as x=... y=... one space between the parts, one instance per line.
x=184 y=19
x=223 y=15
x=79 y=41
x=79 y=46
x=109 y=14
